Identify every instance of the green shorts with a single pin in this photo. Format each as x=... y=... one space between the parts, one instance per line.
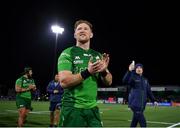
x=23 y=102
x=79 y=117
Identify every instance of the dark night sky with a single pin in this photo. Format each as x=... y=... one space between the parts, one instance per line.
x=128 y=30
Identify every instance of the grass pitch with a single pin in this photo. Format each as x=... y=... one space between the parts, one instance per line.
x=112 y=115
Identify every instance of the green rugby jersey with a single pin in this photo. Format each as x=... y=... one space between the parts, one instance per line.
x=75 y=59
x=23 y=82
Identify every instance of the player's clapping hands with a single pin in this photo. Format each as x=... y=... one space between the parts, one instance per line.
x=99 y=65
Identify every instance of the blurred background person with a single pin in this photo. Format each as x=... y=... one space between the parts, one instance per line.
x=55 y=91
x=23 y=86
x=139 y=91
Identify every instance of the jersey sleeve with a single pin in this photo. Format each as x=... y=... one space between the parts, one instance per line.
x=65 y=60
x=19 y=82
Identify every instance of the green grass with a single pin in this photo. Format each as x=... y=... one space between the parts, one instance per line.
x=113 y=115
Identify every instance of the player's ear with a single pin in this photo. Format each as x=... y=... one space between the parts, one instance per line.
x=74 y=35
x=91 y=36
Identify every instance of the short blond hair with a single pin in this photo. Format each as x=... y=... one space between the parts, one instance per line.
x=82 y=21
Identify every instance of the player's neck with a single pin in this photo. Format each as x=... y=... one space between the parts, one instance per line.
x=25 y=76
x=84 y=46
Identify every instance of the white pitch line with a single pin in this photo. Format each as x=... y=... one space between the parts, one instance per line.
x=3 y=113
x=155 y=122
x=14 y=111
x=38 y=112
x=174 y=125
x=33 y=112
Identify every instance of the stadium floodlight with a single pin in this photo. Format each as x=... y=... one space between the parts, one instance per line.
x=57 y=30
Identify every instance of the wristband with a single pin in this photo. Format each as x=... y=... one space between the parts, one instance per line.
x=27 y=89
x=103 y=74
x=85 y=74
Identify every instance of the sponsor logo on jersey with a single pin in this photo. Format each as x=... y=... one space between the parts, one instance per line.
x=85 y=54
x=63 y=61
x=77 y=57
x=78 y=61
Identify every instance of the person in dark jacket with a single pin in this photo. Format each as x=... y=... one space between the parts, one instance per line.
x=55 y=91
x=139 y=91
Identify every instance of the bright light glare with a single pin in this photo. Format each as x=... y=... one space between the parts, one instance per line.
x=57 y=29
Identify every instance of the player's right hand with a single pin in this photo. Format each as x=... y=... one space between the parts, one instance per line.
x=32 y=86
x=99 y=65
x=95 y=67
x=132 y=66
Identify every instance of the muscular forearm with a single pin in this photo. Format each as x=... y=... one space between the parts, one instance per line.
x=18 y=89
x=70 y=80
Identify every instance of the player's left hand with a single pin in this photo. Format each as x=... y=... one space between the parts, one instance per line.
x=32 y=87
x=104 y=62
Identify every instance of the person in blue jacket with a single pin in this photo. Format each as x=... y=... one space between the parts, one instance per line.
x=55 y=90
x=139 y=91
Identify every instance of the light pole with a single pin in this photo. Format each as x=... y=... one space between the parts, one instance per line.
x=57 y=30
